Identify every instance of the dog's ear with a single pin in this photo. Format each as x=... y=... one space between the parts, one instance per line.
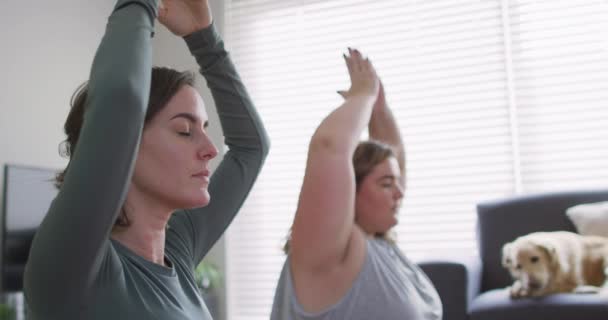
x=506 y=255
x=556 y=256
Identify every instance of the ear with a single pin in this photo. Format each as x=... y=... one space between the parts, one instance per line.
x=506 y=255
x=556 y=256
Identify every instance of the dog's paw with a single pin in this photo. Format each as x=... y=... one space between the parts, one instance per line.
x=518 y=291
x=586 y=289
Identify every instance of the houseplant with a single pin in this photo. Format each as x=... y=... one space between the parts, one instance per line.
x=209 y=281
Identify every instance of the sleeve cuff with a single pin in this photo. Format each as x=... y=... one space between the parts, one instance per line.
x=150 y=5
x=203 y=39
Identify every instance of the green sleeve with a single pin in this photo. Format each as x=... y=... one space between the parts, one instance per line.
x=74 y=236
x=244 y=134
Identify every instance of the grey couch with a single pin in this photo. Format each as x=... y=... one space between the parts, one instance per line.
x=475 y=288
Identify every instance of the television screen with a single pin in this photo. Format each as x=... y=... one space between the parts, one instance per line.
x=28 y=193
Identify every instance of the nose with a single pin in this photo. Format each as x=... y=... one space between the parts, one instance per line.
x=398 y=192
x=534 y=285
x=207 y=150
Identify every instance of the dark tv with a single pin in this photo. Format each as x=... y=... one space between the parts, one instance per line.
x=28 y=193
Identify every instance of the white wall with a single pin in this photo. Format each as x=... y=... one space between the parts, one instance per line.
x=47 y=50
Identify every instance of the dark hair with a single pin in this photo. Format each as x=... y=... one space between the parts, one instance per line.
x=164 y=85
x=367 y=155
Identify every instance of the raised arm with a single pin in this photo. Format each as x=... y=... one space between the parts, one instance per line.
x=244 y=134
x=242 y=127
x=383 y=127
x=73 y=238
x=324 y=221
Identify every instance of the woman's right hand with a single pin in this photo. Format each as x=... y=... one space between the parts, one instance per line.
x=363 y=78
x=183 y=17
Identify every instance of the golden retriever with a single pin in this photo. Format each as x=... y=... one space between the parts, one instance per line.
x=543 y=263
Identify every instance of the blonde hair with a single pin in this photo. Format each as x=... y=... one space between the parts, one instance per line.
x=367 y=155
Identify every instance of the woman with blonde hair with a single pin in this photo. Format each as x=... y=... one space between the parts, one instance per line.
x=341 y=263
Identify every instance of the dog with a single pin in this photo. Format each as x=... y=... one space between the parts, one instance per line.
x=544 y=263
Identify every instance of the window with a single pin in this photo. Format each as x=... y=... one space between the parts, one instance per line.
x=493 y=98
x=560 y=66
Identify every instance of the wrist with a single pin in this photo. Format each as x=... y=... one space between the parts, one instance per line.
x=363 y=102
x=201 y=26
x=362 y=96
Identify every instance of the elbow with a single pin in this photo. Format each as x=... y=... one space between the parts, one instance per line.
x=129 y=95
x=264 y=145
x=323 y=142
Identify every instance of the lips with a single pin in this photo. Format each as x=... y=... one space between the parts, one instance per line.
x=202 y=175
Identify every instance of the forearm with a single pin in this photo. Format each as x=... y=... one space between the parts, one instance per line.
x=341 y=130
x=383 y=127
x=241 y=124
x=244 y=134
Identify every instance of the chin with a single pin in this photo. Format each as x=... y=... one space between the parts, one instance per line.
x=200 y=204
x=393 y=222
x=195 y=201
x=202 y=201
x=385 y=229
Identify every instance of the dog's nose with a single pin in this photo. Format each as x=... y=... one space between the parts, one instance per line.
x=534 y=285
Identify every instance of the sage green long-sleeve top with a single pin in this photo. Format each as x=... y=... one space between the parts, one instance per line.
x=75 y=271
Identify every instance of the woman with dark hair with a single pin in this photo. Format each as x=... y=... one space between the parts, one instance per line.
x=342 y=262
x=134 y=215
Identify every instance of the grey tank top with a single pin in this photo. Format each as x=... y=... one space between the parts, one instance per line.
x=389 y=287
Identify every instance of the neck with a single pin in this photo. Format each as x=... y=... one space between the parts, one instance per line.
x=146 y=234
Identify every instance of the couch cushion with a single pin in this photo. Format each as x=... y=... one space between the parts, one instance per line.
x=497 y=305
x=590 y=219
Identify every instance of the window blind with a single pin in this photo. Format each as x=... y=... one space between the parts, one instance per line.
x=492 y=97
x=560 y=54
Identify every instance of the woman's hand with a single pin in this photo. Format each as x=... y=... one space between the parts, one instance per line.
x=363 y=78
x=183 y=17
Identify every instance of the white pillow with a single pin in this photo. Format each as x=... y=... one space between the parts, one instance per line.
x=590 y=219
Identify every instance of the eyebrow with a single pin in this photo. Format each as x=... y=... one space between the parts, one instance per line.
x=190 y=117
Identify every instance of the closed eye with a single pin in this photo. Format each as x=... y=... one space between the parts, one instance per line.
x=387 y=181
x=185 y=134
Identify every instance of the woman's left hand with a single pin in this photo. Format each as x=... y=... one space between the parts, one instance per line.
x=183 y=17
